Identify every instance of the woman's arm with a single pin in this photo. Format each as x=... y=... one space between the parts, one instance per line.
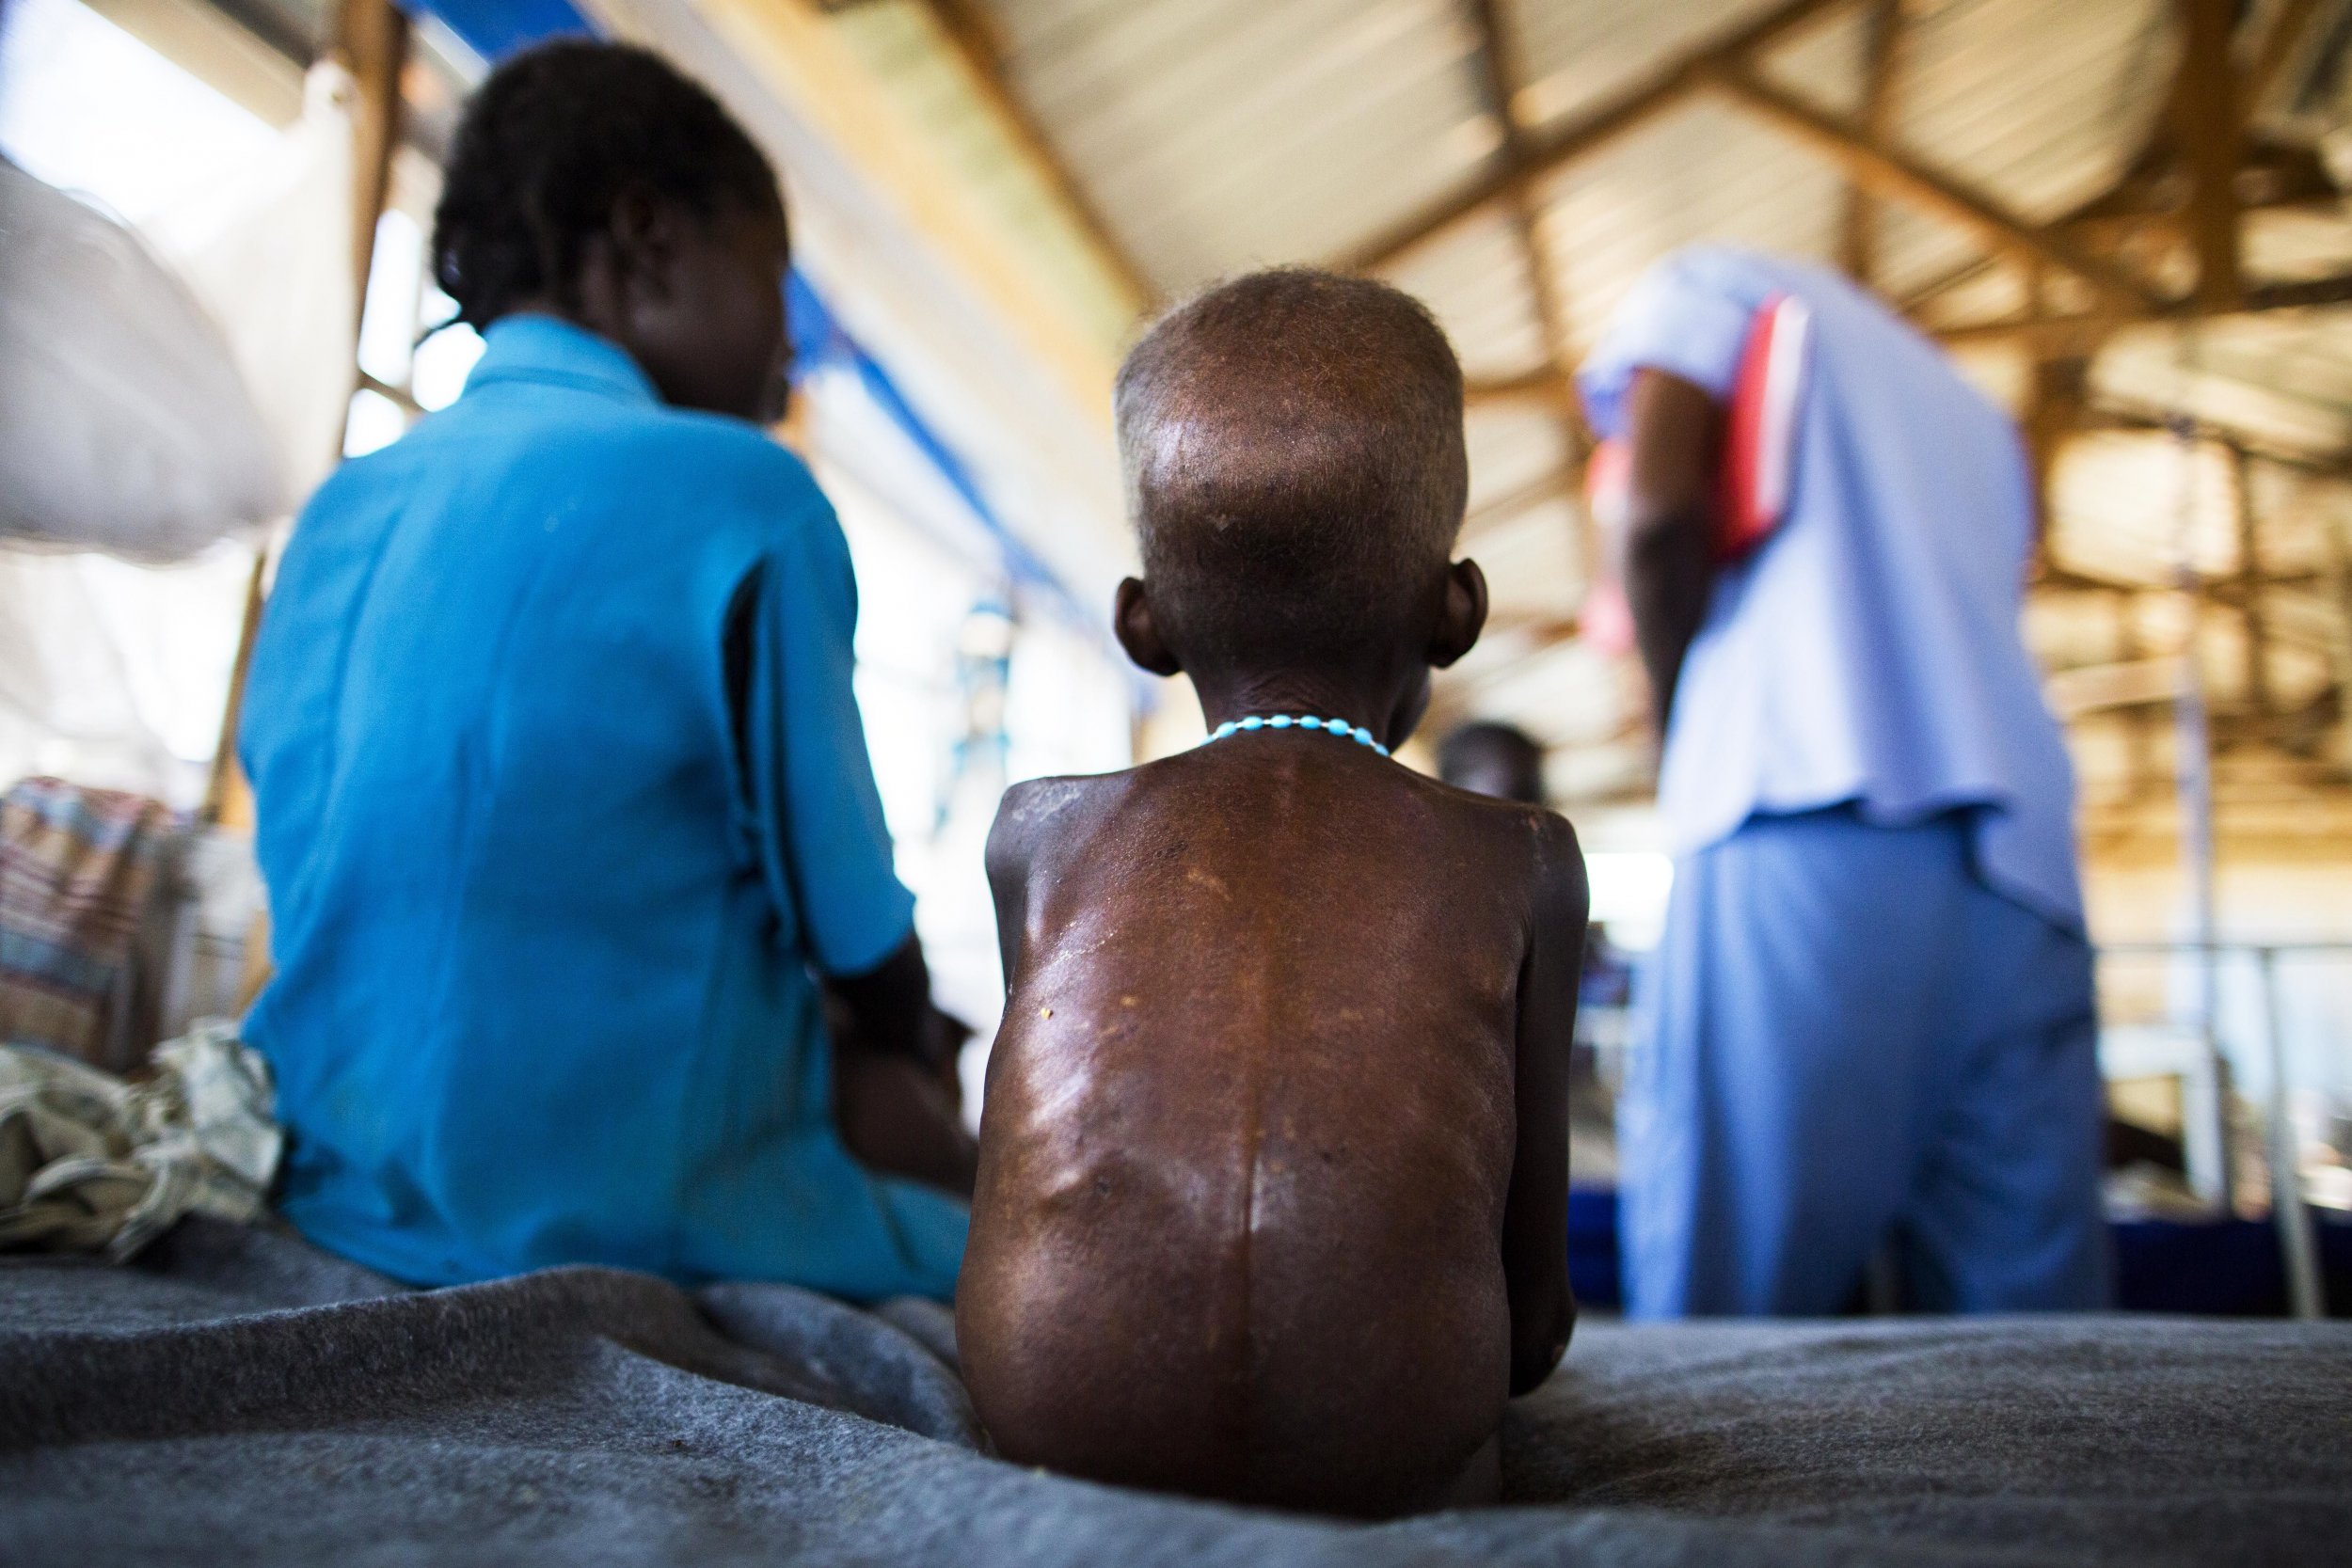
x=1674 y=431
x=888 y=1011
x=897 y=1096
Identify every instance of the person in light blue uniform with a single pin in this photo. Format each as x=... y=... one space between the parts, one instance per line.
x=564 y=800
x=1871 y=1015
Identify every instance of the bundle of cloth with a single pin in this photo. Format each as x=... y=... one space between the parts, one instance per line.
x=95 y=1164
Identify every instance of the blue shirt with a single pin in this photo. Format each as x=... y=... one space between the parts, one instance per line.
x=547 y=876
x=1869 y=650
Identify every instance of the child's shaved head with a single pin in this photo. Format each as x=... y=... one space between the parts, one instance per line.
x=1292 y=445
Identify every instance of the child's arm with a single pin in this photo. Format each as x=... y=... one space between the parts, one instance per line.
x=1007 y=862
x=1028 y=817
x=1536 y=1212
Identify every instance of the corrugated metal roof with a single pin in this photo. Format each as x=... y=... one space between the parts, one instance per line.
x=1222 y=134
x=1219 y=134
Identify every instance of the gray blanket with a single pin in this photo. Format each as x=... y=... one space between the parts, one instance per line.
x=239 y=1399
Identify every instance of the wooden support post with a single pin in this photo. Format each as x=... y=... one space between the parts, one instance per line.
x=372 y=36
x=2250 y=580
x=2210 y=126
x=2054 y=408
x=223 y=787
x=1857 y=245
x=2129 y=649
x=2336 y=536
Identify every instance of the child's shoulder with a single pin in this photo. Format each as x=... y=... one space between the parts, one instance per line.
x=1548 y=837
x=1034 y=800
x=1036 y=810
x=1503 y=816
x=1061 y=811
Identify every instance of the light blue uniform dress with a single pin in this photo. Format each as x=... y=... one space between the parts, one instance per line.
x=1871 y=1014
x=562 y=791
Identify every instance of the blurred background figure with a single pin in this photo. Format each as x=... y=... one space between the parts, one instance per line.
x=1873 y=1008
x=1490 y=758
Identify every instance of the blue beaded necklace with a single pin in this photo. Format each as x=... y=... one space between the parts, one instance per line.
x=1340 y=727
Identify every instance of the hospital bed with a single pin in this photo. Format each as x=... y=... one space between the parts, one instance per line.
x=239 y=1399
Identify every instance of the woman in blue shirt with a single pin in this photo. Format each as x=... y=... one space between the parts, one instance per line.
x=565 y=806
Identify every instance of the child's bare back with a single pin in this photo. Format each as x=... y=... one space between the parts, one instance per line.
x=1273 y=1182
x=1252 y=1123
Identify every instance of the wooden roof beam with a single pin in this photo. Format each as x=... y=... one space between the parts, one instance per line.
x=1536 y=385
x=2209 y=126
x=1496 y=60
x=1496 y=63
x=1897 y=176
x=2293 y=295
x=2289 y=294
x=974 y=38
x=2276 y=47
x=2327 y=465
x=1652 y=94
x=1882 y=43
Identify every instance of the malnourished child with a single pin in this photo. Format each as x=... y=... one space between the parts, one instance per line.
x=1273 y=1185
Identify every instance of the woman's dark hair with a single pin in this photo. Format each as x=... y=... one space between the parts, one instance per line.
x=547 y=146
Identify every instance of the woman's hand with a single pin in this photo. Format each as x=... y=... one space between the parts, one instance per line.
x=897 y=1096
x=900 y=1117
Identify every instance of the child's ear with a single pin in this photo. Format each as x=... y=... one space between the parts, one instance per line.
x=1138 y=632
x=1464 y=616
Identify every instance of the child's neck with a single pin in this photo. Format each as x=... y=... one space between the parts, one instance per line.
x=1379 y=705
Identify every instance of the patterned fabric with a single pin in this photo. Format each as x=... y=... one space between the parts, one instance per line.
x=79 y=869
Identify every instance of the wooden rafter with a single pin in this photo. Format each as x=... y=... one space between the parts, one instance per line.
x=1496 y=63
x=2277 y=48
x=2112 y=416
x=2043 y=333
x=1536 y=386
x=1858 y=226
x=2250 y=580
x=2209 y=125
x=975 y=36
x=1500 y=76
x=1654 y=92
x=1935 y=288
x=2062 y=330
x=1726 y=62
x=1895 y=174
x=2335 y=289
x=2273 y=175
x=1516 y=503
